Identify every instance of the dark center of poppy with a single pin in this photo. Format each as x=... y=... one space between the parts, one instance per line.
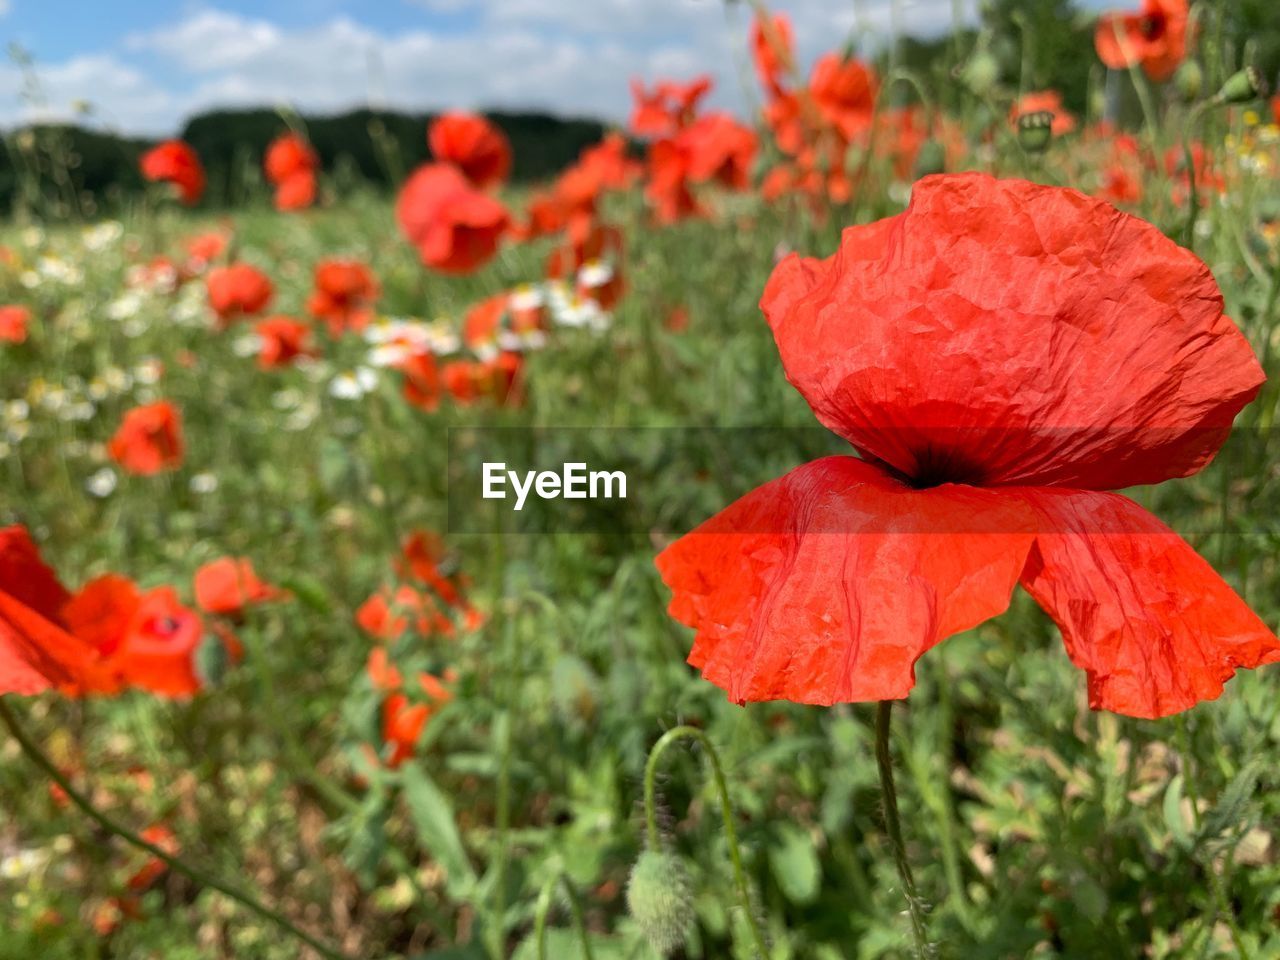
x=1153 y=26
x=936 y=466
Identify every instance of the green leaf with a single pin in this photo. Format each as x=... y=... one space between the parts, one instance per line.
x=1233 y=803
x=433 y=818
x=795 y=865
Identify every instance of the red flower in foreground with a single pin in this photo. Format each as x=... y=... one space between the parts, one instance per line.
x=13 y=324
x=229 y=584
x=1155 y=37
x=283 y=340
x=455 y=227
x=149 y=440
x=999 y=354
x=176 y=162
x=344 y=295
x=473 y=145
x=238 y=291
x=290 y=164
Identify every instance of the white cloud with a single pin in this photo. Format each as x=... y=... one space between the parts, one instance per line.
x=564 y=56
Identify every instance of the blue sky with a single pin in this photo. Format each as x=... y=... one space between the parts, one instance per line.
x=145 y=65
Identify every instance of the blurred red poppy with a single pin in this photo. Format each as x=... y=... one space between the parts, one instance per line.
x=344 y=295
x=283 y=341
x=141 y=639
x=455 y=228
x=773 y=50
x=149 y=440
x=473 y=145
x=36 y=651
x=176 y=162
x=291 y=164
x=844 y=91
x=14 y=321
x=229 y=584
x=1154 y=37
x=999 y=354
x=421 y=385
x=237 y=291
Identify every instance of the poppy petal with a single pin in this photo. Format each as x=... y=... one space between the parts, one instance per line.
x=1150 y=621
x=827 y=584
x=1002 y=332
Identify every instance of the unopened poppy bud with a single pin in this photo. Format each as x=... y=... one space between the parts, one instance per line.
x=1242 y=87
x=1035 y=131
x=1189 y=81
x=931 y=159
x=980 y=73
x=659 y=899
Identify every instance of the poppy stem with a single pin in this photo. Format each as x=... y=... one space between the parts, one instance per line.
x=38 y=757
x=726 y=813
x=889 y=794
x=544 y=908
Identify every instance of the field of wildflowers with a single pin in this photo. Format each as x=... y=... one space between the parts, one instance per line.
x=268 y=694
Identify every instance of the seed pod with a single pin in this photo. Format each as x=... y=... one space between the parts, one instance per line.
x=1035 y=131
x=1243 y=86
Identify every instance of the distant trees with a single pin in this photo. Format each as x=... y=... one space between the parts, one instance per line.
x=79 y=170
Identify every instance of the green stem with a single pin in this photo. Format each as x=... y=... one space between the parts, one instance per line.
x=544 y=908
x=726 y=813
x=889 y=794
x=38 y=757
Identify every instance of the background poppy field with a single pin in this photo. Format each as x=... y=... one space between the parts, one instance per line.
x=432 y=744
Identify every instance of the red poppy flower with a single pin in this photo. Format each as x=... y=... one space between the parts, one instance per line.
x=669 y=108
x=1045 y=101
x=403 y=723
x=229 y=584
x=149 y=440
x=283 y=340
x=345 y=293
x=290 y=164
x=204 y=248
x=773 y=50
x=1155 y=37
x=13 y=324
x=668 y=187
x=999 y=354
x=36 y=652
x=719 y=148
x=455 y=228
x=421 y=385
x=176 y=162
x=238 y=290
x=154 y=868
x=473 y=145
x=844 y=91
x=140 y=639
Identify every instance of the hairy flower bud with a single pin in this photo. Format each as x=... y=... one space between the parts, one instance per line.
x=660 y=902
x=1189 y=81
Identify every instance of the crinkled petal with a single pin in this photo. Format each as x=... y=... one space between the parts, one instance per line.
x=1150 y=621
x=1000 y=332
x=827 y=585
